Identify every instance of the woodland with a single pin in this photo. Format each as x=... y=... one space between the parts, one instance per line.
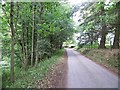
x=33 y=34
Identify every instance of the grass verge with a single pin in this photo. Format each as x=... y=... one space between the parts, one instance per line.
x=29 y=78
x=104 y=57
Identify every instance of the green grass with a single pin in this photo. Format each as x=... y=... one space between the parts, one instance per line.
x=94 y=46
x=29 y=78
x=100 y=56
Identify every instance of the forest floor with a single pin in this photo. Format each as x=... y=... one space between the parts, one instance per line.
x=56 y=77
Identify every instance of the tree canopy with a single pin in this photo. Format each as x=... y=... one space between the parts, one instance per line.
x=32 y=31
x=99 y=19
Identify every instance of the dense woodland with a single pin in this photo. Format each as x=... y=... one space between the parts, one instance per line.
x=99 y=20
x=33 y=31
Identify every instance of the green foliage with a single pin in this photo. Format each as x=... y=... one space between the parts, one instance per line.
x=97 y=20
x=30 y=78
x=40 y=28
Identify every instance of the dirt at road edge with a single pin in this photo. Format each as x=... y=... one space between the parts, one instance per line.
x=57 y=75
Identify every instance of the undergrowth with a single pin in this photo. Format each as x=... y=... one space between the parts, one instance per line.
x=30 y=78
x=105 y=57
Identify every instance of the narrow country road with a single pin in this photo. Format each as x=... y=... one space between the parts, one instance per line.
x=84 y=73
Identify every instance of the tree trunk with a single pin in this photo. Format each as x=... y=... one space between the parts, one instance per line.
x=33 y=32
x=103 y=38
x=23 y=44
x=12 y=41
x=17 y=16
x=36 y=61
x=104 y=28
x=37 y=41
x=117 y=30
x=61 y=45
x=26 y=62
x=116 y=39
x=37 y=55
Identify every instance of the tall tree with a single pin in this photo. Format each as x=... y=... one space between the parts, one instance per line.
x=23 y=43
x=40 y=10
x=32 y=25
x=104 y=29
x=33 y=32
x=12 y=40
x=117 y=27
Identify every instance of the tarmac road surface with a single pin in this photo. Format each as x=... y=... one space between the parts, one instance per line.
x=84 y=73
